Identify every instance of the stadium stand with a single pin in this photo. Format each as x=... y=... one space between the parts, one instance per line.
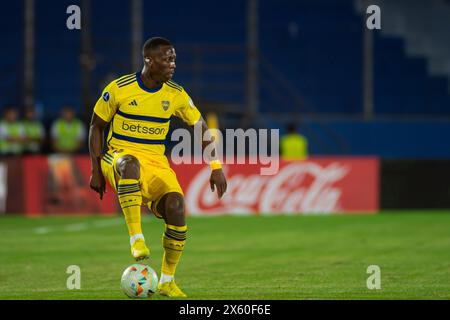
x=306 y=49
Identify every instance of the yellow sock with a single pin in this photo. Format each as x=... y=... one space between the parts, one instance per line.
x=130 y=198
x=173 y=241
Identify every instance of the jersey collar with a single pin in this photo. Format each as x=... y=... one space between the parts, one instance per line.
x=143 y=86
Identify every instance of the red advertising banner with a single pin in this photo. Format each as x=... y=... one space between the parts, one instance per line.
x=318 y=185
x=59 y=184
x=11 y=188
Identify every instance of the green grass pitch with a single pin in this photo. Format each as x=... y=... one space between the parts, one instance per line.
x=229 y=257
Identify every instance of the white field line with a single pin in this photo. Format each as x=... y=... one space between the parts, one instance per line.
x=75 y=227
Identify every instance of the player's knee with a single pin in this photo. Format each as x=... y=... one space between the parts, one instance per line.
x=128 y=167
x=175 y=208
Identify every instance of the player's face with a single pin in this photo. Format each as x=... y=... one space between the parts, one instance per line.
x=162 y=64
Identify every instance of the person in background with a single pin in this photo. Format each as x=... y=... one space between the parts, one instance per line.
x=293 y=145
x=34 y=132
x=67 y=132
x=12 y=133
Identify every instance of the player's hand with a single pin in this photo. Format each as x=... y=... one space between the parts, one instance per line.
x=218 y=181
x=98 y=183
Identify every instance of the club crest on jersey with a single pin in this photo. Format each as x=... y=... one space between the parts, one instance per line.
x=165 y=104
x=106 y=96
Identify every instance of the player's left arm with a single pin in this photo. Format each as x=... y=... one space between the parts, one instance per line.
x=217 y=179
x=188 y=112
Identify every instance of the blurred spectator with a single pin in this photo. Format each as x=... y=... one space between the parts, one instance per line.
x=12 y=134
x=67 y=132
x=34 y=132
x=293 y=145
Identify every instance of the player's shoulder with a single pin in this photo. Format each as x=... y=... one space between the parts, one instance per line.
x=124 y=80
x=174 y=87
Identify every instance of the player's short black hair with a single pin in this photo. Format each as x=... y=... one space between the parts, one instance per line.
x=154 y=43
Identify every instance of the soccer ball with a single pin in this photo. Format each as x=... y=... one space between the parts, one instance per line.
x=139 y=281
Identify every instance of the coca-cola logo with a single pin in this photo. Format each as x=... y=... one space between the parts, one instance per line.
x=298 y=187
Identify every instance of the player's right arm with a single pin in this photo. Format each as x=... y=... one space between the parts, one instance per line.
x=104 y=110
x=96 y=131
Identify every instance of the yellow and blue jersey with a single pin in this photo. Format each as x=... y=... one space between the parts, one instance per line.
x=139 y=116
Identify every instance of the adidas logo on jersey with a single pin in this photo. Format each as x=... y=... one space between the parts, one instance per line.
x=133 y=103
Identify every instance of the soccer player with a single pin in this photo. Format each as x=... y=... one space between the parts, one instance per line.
x=138 y=107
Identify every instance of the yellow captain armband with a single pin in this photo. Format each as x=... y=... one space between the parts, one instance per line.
x=215 y=164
